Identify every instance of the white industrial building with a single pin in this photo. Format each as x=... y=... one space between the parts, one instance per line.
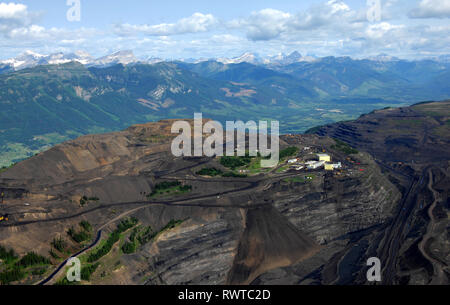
x=331 y=167
x=315 y=164
x=298 y=167
x=337 y=165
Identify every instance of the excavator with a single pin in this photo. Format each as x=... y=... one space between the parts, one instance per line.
x=4 y=217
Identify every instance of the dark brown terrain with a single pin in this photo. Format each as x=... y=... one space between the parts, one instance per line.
x=273 y=226
x=412 y=146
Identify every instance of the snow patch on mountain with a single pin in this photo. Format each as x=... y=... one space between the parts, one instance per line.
x=246 y=57
x=121 y=57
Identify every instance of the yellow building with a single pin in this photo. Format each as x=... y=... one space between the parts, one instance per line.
x=324 y=157
x=329 y=167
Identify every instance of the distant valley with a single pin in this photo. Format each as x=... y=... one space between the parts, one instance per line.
x=49 y=99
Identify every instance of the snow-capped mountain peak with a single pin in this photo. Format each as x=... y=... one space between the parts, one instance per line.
x=24 y=60
x=383 y=58
x=246 y=57
x=31 y=59
x=61 y=58
x=121 y=57
x=153 y=60
x=32 y=54
x=283 y=59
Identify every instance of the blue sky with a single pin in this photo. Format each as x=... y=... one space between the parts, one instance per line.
x=200 y=28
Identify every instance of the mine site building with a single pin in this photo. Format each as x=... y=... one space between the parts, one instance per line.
x=337 y=165
x=297 y=167
x=315 y=164
x=324 y=157
x=331 y=167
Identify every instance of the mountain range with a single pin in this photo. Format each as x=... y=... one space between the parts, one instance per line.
x=30 y=59
x=47 y=99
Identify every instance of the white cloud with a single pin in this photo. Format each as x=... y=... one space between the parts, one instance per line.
x=196 y=23
x=337 y=7
x=33 y=31
x=270 y=24
x=330 y=14
x=14 y=16
x=334 y=28
x=330 y=28
x=431 y=9
x=227 y=38
x=36 y=33
x=380 y=30
x=266 y=24
x=13 y=11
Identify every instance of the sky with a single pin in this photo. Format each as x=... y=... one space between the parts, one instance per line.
x=173 y=29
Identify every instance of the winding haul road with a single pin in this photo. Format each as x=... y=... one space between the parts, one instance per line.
x=253 y=185
x=63 y=264
x=96 y=241
x=439 y=278
x=397 y=231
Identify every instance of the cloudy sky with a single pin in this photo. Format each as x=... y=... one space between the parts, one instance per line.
x=210 y=28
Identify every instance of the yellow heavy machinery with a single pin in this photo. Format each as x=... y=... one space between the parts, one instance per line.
x=4 y=218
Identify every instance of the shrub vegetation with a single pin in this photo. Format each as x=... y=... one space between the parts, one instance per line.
x=344 y=147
